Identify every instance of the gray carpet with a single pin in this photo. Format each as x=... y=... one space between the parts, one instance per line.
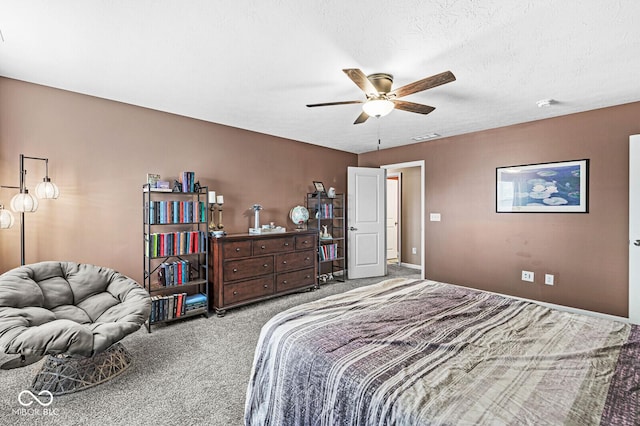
x=190 y=372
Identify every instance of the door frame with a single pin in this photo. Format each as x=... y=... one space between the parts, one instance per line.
x=409 y=164
x=634 y=228
x=398 y=178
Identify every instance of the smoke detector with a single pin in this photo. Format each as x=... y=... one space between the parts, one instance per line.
x=543 y=103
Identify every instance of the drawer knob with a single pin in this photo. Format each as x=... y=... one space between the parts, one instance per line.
x=262 y=247
x=306 y=259
x=237 y=249
x=284 y=262
x=266 y=286
x=235 y=293
x=286 y=244
x=284 y=282
x=265 y=265
x=308 y=276
x=305 y=242
x=235 y=269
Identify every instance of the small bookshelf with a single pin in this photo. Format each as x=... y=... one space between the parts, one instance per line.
x=176 y=251
x=327 y=216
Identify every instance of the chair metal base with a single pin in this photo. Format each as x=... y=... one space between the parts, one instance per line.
x=61 y=375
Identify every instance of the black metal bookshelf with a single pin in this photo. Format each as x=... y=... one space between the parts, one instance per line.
x=328 y=214
x=176 y=253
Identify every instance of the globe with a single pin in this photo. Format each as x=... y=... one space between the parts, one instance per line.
x=299 y=215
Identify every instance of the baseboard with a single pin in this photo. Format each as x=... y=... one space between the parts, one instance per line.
x=410 y=265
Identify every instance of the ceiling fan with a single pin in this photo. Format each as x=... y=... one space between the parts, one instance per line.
x=381 y=100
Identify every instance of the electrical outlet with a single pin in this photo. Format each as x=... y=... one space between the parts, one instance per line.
x=527 y=276
x=548 y=279
x=414 y=250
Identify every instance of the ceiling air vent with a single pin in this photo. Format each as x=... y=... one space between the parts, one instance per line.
x=425 y=137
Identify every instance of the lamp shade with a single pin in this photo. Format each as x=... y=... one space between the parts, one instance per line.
x=377 y=107
x=47 y=189
x=6 y=218
x=24 y=202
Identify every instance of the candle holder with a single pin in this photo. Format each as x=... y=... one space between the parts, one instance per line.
x=212 y=222
x=220 y=225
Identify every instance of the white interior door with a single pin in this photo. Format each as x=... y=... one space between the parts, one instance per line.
x=393 y=203
x=366 y=224
x=634 y=229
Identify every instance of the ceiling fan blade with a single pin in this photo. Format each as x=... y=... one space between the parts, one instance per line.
x=361 y=80
x=413 y=107
x=424 y=84
x=361 y=118
x=334 y=103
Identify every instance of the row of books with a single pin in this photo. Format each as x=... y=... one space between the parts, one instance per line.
x=188 y=181
x=175 y=306
x=328 y=251
x=326 y=211
x=165 y=212
x=174 y=273
x=175 y=243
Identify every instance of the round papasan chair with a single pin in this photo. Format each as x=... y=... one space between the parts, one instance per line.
x=74 y=313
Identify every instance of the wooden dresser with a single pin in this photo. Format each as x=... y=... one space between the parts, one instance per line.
x=247 y=268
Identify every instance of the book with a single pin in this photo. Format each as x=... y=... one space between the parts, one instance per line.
x=187 y=179
x=158 y=190
x=195 y=299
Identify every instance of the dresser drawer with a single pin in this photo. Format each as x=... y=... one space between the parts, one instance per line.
x=246 y=268
x=295 y=279
x=296 y=260
x=247 y=290
x=306 y=242
x=273 y=245
x=235 y=249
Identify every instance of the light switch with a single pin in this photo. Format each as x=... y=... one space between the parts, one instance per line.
x=434 y=217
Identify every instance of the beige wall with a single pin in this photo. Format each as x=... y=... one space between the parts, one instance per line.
x=474 y=246
x=99 y=154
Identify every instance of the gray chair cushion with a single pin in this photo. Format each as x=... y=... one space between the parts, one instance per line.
x=50 y=308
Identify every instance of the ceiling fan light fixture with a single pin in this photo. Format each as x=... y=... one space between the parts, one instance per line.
x=377 y=107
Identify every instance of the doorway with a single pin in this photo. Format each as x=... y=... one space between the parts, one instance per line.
x=411 y=207
x=394 y=215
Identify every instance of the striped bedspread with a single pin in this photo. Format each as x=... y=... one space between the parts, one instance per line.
x=412 y=352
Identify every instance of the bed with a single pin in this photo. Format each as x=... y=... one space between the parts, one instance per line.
x=418 y=352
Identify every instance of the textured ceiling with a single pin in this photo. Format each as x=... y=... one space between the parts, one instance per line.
x=255 y=64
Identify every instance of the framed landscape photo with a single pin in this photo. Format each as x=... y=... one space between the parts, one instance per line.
x=560 y=187
x=319 y=186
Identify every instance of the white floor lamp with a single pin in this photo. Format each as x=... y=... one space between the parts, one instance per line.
x=24 y=202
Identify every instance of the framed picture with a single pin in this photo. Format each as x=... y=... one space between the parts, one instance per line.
x=543 y=188
x=319 y=186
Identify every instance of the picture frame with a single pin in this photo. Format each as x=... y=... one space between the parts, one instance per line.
x=557 y=187
x=319 y=187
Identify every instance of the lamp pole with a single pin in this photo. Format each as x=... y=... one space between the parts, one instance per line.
x=22 y=188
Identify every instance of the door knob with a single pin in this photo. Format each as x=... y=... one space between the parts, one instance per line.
x=351 y=228
x=636 y=243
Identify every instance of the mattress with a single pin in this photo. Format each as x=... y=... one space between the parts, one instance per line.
x=418 y=352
